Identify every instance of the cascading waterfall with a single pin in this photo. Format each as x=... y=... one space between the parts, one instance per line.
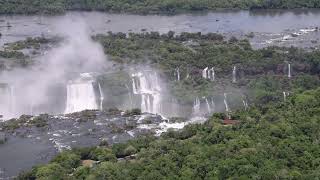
x=226 y=103
x=7 y=101
x=289 y=70
x=101 y=97
x=208 y=73
x=205 y=73
x=208 y=105
x=234 y=74
x=245 y=103
x=211 y=74
x=81 y=94
x=147 y=85
x=177 y=74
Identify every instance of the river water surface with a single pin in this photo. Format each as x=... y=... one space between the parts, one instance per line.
x=270 y=27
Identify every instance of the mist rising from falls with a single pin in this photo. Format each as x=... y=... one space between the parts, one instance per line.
x=196 y=107
x=147 y=85
x=33 y=86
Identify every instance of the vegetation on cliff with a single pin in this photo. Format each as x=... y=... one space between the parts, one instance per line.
x=146 y=6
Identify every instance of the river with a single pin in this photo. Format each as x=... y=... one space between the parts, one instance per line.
x=270 y=27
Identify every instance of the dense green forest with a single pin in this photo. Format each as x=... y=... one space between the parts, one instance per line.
x=270 y=142
x=146 y=6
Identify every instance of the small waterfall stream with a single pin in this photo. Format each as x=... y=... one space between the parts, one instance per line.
x=101 y=97
x=226 y=105
x=234 y=74
x=289 y=70
x=208 y=105
x=177 y=74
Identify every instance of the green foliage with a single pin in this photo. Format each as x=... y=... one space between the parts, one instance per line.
x=50 y=172
x=67 y=160
x=102 y=154
x=146 y=6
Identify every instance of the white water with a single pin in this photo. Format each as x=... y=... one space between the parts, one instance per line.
x=147 y=85
x=245 y=103
x=226 y=103
x=208 y=73
x=101 y=97
x=6 y=101
x=208 y=105
x=81 y=95
x=285 y=95
x=289 y=70
x=211 y=74
x=234 y=74
x=177 y=74
x=205 y=73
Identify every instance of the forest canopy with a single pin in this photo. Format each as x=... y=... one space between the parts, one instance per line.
x=146 y=6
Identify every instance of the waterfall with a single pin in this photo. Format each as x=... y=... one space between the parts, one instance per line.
x=211 y=74
x=205 y=73
x=245 y=103
x=177 y=74
x=147 y=85
x=289 y=70
x=208 y=73
x=285 y=95
x=196 y=106
x=6 y=100
x=226 y=102
x=188 y=76
x=80 y=95
x=208 y=105
x=101 y=97
x=234 y=74
x=213 y=105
